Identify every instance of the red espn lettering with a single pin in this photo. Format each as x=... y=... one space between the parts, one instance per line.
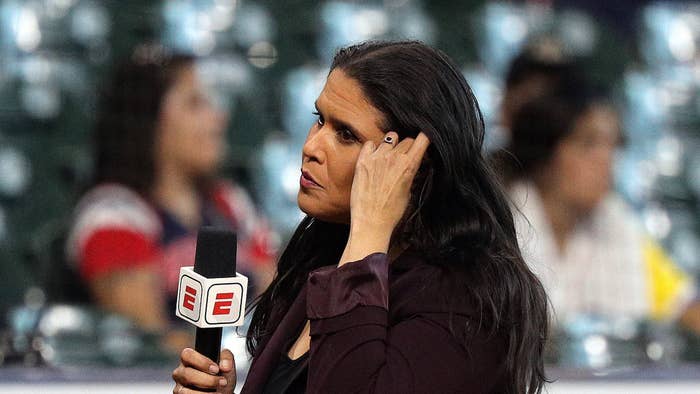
x=189 y=298
x=223 y=307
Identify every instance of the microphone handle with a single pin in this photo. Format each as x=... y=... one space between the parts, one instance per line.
x=208 y=342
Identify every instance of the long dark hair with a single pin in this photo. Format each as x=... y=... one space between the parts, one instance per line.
x=458 y=217
x=129 y=107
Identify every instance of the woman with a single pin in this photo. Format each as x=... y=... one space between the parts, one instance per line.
x=159 y=142
x=582 y=240
x=405 y=276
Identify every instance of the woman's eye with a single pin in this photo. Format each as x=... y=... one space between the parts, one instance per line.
x=346 y=135
x=319 y=119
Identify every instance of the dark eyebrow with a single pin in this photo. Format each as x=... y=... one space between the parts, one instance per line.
x=339 y=123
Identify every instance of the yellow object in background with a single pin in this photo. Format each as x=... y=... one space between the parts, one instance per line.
x=668 y=283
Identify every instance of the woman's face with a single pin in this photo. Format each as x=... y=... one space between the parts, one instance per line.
x=190 y=131
x=345 y=121
x=582 y=162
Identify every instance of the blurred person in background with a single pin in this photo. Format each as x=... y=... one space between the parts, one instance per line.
x=158 y=144
x=539 y=69
x=583 y=241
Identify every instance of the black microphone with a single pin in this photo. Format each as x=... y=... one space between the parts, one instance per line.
x=215 y=257
x=211 y=294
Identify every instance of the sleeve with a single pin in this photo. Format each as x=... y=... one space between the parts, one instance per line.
x=114 y=230
x=354 y=349
x=108 y=250
x=671 y=289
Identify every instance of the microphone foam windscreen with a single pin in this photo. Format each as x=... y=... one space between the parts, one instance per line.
x=216 y=253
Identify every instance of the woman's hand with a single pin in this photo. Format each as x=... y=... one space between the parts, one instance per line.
x=197 y=371
x=381 y=192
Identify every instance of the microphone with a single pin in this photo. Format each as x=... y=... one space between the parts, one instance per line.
x=211 y=294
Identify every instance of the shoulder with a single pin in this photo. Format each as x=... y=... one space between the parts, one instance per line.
x=231 y=192
x=112 y=207
x=116 y=204
x=420 y=286
x=615 y=207
x=233 y=201
x=518 y=191
x=528 y=213
x=616 y=217
x=429 y=295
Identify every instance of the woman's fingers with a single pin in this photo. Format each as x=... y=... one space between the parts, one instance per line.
x=196 y=370
x=228 y=369
x=191 y=358
x=414 y=146
x=190 y=377
x=419 y=146
x=404 y=145
x=367 y=148
x=226 y=361
x=389 y=142
x=184 y=390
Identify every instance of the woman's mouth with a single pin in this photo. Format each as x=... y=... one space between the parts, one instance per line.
x=306 y=180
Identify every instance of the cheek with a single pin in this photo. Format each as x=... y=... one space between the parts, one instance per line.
x=333 y=203
x=167 y=139
x=575 y=168
x=175 y=125
x=186 y=141
x=341 y=173
x=569 y=173
x=581 y=179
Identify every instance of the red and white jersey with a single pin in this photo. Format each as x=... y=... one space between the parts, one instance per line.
x=117 y=229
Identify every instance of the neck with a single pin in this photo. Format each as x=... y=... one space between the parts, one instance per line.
x=176 y=192
x=562 y=217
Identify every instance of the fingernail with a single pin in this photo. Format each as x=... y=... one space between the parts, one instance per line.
x=213 y=369
x=226 y=364
x=222 y=382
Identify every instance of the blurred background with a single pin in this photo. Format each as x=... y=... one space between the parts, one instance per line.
x=264 y=63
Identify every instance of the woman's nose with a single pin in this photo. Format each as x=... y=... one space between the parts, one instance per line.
x=313 y=146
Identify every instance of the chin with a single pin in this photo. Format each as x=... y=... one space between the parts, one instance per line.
x=316 y=209
x=589 y=205
x=205 y=166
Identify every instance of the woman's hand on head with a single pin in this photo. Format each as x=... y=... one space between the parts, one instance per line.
x=382 y=185
x=197 y=372
x=383 y=177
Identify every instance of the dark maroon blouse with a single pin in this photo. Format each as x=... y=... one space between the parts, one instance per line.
x=385 y=328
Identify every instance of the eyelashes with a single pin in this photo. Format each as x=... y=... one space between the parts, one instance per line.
x=344 y=135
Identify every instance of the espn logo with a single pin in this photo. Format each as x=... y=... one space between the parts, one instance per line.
x=189 y=298
x=223 y=307
x=211 y=302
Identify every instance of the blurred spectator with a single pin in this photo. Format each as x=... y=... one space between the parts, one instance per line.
x=579 y=236
x=159 y=142
x=539 y=69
